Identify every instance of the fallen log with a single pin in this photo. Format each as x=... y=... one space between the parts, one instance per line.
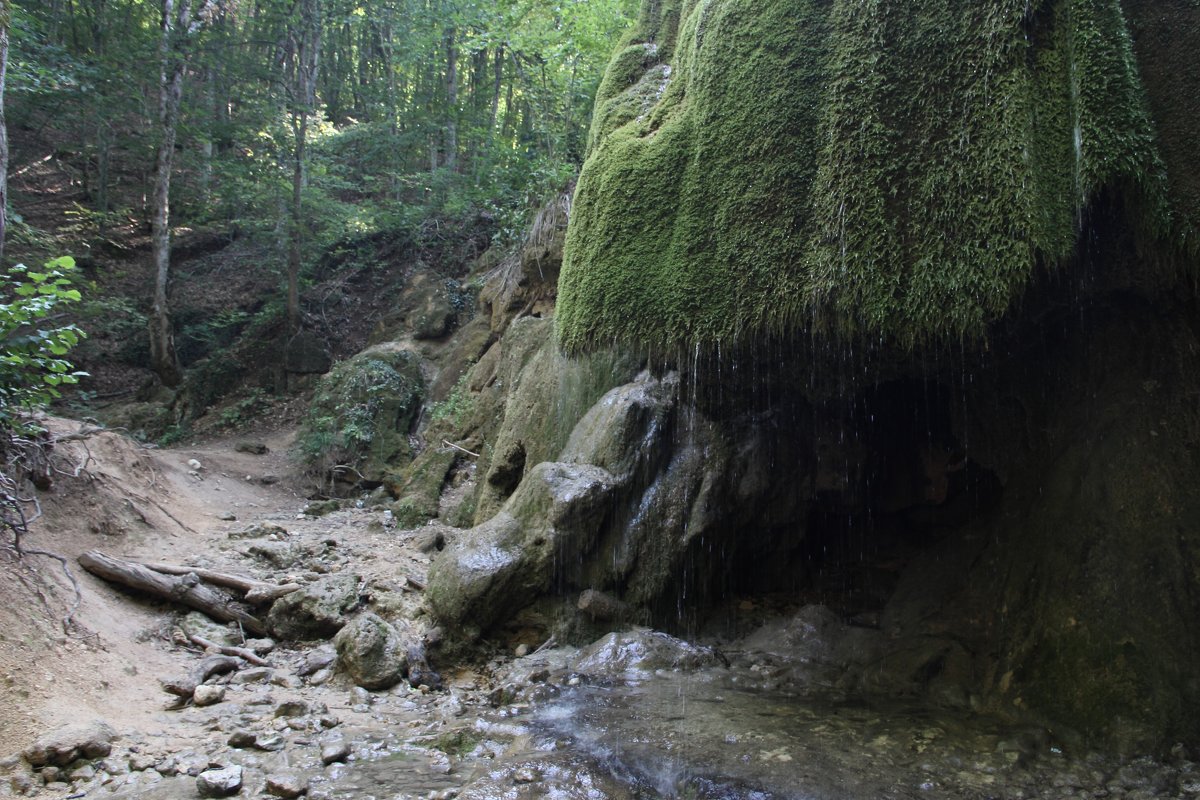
x=255 y=591
x=185 y=589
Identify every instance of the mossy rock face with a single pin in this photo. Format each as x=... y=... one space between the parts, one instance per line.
x=891 y=171
x=508 y=562
x=363 y=412
x=418 y=486
x=530 y=399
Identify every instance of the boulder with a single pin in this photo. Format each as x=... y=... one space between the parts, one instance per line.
x=224 y=782
x=318 y=611
x=372 y=652
x=363 y=412
x=641 y=651
x=61 y=747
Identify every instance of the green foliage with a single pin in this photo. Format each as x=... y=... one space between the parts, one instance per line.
x=251 y=405
x=458 y=406
x=32 y=363
x=862 y=168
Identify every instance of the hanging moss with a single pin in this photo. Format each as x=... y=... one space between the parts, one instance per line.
x=880 y=168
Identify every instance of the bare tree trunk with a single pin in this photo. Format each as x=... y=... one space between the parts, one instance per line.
x=163 y=357
x=5 y=20
x=296 y=240
x=451 y=155
x=306 y=50
x=496 y=82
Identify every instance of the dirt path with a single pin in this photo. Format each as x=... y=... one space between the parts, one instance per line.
x=157 y=505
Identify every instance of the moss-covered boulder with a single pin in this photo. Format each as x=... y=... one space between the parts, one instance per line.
x=317 y=611
x=371 y=652
x=897 y=171
x=363 y=413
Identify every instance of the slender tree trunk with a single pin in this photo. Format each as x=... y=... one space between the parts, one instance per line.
x=306 y=52
x=5 y=20
x=162 y=339
x=496 y=82
x=207 y=146
x=450 y=159
x=296 y=241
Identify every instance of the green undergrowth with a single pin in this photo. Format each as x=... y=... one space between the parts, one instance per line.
x=895 y=171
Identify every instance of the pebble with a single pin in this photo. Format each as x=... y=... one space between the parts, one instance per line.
x=291 y=708
x=21 y=783
x=256 y=675
x=139 y=762
x=317 y=660
x=525 y=775
x=335 y=752
x=219 y=782
x=242 y=738
x=206 y=695
x=272 y=743
x=228 y=516
x=320 y=677
x=287 y=785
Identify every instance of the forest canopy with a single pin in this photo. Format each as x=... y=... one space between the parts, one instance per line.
x=416 y=106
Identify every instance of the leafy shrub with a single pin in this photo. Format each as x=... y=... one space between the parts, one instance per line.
x=32 y=367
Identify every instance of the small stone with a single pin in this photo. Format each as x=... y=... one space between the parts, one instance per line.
x=287 y=785
x=360 y=696
x=242 y=738
x=256 y=675
x=193 y=764
x=317 y=660
x=328 y=721
x=206 y=695
x=260 y=646
x=83 y=773
x=272 y=743
x=291 y=708
x=525 y=775
x=335 y=752
x=521 y=651
x=51 y=774
x=219 y=782
x=268 y=479
x=21 y=783
x=227 y=516
x=321 y=676
x=140 y=762
x=286 y=681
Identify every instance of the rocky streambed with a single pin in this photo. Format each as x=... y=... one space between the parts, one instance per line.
x=769 y=700
x=636 y=715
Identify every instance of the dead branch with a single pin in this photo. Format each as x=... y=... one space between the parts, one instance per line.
x=187 y=589
x=240 y=652
x=213 y=665
x=460 y=448
x=66 y=621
